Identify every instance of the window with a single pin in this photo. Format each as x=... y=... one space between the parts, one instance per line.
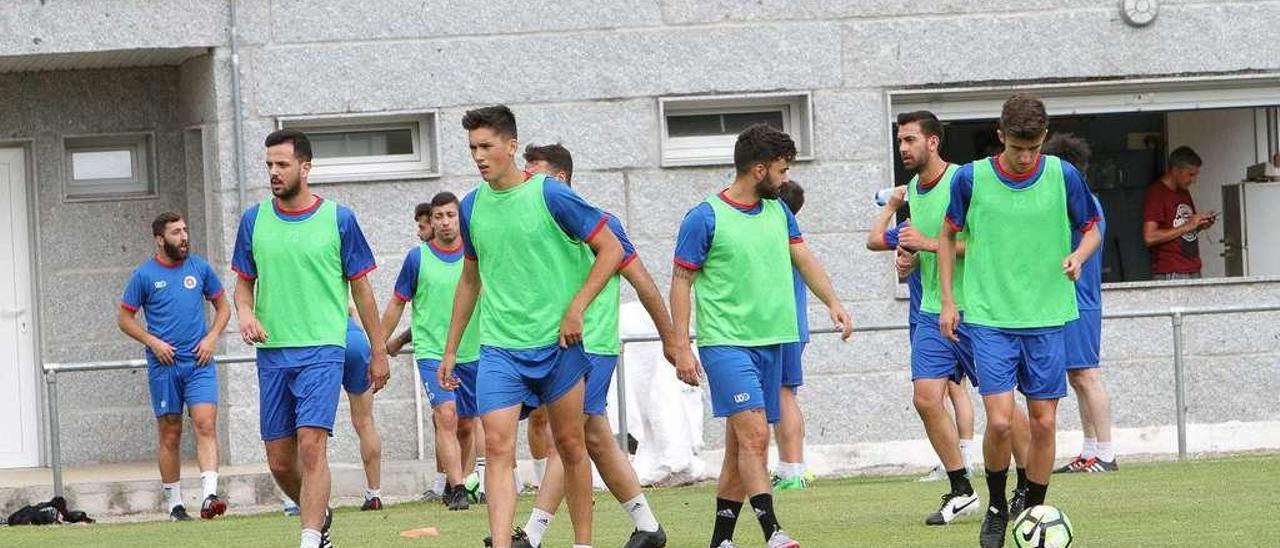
x=108 y=167
x=702 y=130
x=370 y=147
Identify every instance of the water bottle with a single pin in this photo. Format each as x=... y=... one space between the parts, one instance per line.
x=883 y=195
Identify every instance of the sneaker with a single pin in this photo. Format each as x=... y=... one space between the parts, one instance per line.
x=292 y=510
x=179 y=513
x=954 y=506
x=647 y=539
x=374 y=503
x=993 y=528
x=779 y=539
x=457 y=499
x=1073 y=466
x=212 y=507
x=790 y=484
x=937 y=474
x=1018 y=502
x=1094 y=464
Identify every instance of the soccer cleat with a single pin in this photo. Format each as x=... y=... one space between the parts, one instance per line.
x=954 y=506
x=1094 y=464
x=519 y=539
x=1018 y=502
x=179 y=513
x=477 y=498
x=790 y=484
x=291 y=509
x=325 y=541
x=212 y=507
x=779 y=539
x=937 y=474
x=1073 y=466
x=431 y=496
x=647 y=539
x=374 y=503
x=726 y=543
x=457 y=498
x=993 y=528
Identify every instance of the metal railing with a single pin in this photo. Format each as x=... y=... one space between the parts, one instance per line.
x=1175 y=314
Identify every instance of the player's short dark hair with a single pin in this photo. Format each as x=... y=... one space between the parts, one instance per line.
x=1184 y=157
x=442 y=198
x=498 y=118
x=301 y=144
x=792 y=194
x=1070 y=148
x=162 y=221
x=761 y=144
x=553 y=154
x=422 y=210
x=1023 y=116
x=929 y=123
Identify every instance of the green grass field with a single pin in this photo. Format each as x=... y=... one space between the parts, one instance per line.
x=1202 y=503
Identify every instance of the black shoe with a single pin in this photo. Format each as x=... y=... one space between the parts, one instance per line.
x=519 y=539
x=179 y=513
x=1018 y=502
x=457 y=498
x=647 y=539
x=325 y=541
x=374 y=503
x=993 y=528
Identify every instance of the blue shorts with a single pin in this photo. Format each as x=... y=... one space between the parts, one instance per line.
x=183 y=383
x=743 y=378
x=1035 y=362
x=1084 y=340
x=599 y=377
x=463 y=397
x=355 y=370
x=295 y=396
x=532 y=377
x=792 y=364
x=933 y=356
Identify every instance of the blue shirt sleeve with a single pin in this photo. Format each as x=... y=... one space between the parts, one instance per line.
x=961 y=192
x=1081 y=207
x=891 y=235
x=464 y=224
x=407 y=281
x=242 y=255
x=577 y=218
x=357 y=257
x=628 y=249
x=212 y=284
x=135 y=292
x=793 y=227
x=694 y=240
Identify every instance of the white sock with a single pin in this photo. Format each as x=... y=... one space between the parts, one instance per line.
x=310 y=539
x=537 y=526
x=790 y=470
x=209 y=483
x=1089 y=448
x=966 y=450
x=641 y=514
x=372 y=493
x=539 y=470
x=480 y=472
x=1105 y=451
x=173 y=494
x=438 y=486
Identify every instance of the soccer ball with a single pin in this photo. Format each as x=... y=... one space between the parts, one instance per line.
x=1042 y=527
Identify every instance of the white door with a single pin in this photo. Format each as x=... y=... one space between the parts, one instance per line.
x=19 y=421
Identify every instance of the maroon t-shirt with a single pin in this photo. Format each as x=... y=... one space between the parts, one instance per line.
x=1172 y=209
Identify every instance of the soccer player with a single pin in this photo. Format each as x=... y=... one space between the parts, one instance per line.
x=171 y=289
x=1019 y=208
x=528 y=241
x=428 y=279
x=602 y=346
x=300 y=259
x=1084 y=336
x=736 y=249
x=789 y=429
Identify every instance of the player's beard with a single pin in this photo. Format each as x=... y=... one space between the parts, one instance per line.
x=174 y=253
x=766 y=190
x=288 y=192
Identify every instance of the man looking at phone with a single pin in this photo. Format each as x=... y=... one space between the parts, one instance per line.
x=1170 y=224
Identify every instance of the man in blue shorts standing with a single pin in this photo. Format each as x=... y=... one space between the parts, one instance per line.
x=171 y=289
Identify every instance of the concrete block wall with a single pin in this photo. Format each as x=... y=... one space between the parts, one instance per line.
x=589 y=75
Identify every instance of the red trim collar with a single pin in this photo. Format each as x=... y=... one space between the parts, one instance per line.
x=1016 y=177
x=739 y=205
x=945 y=166
x=456 y=248
x=315 y=204
x=160 y=259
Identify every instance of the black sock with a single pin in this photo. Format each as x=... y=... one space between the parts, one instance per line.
x=1036 y=493
x=763 y=506
x=960 y=482
x=996 y=481
x=1022 y=478
x=726 y=519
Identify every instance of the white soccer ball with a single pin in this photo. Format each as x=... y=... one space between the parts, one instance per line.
x=1042 y=527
